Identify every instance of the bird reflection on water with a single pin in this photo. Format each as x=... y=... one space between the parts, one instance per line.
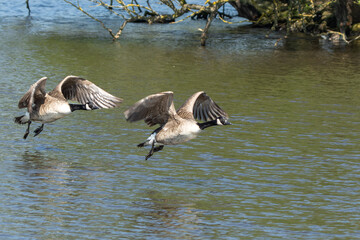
x=166 y=215
x=45 y=186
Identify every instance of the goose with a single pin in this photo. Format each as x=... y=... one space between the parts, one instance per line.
x=47 y=107
x=175 y=126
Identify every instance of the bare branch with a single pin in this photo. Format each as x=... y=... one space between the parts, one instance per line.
x=86 y=13
x=121 y=29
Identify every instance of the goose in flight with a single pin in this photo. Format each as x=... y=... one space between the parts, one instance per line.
x=47 y=107
x=175 y=126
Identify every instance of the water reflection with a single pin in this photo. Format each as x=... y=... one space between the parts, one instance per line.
x=37 y=166
x=43 y=191
x=47 y=179
x=168 y=215
x=55 y=195
x=300 y=41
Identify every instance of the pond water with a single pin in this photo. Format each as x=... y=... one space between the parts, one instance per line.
x=288 y=167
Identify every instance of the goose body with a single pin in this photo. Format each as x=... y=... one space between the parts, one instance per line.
x=178 y=132
x=51 y=110
x=47 y=107
x=175 y=126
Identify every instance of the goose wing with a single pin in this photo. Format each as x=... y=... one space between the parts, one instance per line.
x=83 y=91
x=36 y=93
x=200 y=106
x=154 y=109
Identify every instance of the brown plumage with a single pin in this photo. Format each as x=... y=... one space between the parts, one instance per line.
x=48 y=107
x=175 y=126
x=154 y=109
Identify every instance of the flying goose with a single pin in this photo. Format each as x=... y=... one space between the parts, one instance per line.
x=175 y=126
x=48 y=107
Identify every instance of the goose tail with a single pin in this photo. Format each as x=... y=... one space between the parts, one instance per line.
x=22 y=119
x=149 y=141
x=141 y=145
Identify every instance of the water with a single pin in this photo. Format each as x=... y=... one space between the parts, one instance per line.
x=288 y=167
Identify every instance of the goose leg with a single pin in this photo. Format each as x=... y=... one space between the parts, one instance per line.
x=151 y=152
x=27 y=130
x=38 y=130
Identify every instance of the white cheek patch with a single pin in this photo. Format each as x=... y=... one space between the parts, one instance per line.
x=87 y=107
x=218 y=122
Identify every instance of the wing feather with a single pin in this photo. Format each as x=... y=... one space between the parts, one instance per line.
x=35 y=92
x=212 y=114
x=107 y=103
x=200 y=106
x=201 y=113
x=81 y=90
x=153 y=109
x=206 y=111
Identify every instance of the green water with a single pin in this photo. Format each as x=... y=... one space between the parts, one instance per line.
x=288 y=167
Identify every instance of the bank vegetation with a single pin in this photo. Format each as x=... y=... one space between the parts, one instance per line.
x=335 y=20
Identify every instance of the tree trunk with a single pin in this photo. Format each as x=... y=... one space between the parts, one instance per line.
x=246 y=10
x=319 y=18
x=343 y=15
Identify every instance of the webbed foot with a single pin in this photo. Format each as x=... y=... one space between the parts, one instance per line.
x=38 y=130
x=156 y=149
x=151 y=152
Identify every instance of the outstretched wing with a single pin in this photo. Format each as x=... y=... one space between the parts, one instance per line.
x=200 y=106
x=35 y=93
x=154 y=109
x=83 y=91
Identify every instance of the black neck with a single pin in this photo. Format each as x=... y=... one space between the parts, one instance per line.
x=157 y=130
x=75 y=107
x=207 y=124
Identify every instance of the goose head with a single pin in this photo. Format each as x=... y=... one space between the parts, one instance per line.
x=222 y=121
x=90 y=106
